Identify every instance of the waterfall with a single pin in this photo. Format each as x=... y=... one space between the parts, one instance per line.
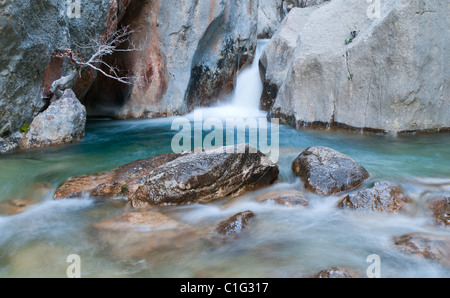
x=245 y=99
x=249 y=87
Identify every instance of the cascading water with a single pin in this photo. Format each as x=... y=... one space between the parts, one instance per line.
x=245 y=99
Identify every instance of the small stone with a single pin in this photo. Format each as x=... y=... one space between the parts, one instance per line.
x=290 y=198
x=382 y=197
x=236 y=224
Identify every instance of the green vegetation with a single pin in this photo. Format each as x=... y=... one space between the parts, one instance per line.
x=25 y=128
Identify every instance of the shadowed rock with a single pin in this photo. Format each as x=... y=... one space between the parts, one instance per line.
x=325 y=171
x=428 y=246
x=201 y=177
x=381 y=197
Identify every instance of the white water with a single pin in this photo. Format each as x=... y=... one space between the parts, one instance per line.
x=245 y=100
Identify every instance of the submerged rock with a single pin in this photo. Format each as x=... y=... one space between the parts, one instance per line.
x=16 y=206
x=201 y=177
x=382 y=197
x=236 y=224
x=289 y=198
x=325 y=171
x=338 y=272
x=440 y=209
x=63 y=122
x=137 y=234
x=123 y=181
x=428 y=246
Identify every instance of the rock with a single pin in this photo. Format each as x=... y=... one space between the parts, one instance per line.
x=428 y=246
x=189 y=59
x=389 y=78
x=338 y=272
x=123 y=181
x=440 y=209
x=272 y=12
x=325 y=171
x=236 y=224
x=63 y=122
x=16 y=206
x=11 y=143
x=30 y=31
x=289 y=198
x=201 y=177
x=137 y=234
x=382 y=197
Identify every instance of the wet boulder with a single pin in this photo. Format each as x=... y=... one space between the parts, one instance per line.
x=325 y=171
x=236 y=224
x=201 y=177
x=382 y=197
x=120 y=182
x=428 y=246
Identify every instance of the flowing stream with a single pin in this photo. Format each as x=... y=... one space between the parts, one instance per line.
x=280 y=242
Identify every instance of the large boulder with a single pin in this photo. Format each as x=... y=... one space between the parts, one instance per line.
x=382 y=197
x=345 y=66
x=201 y=177
x=30 y=32
x=178 y=178
x=63 y=122
x=325 y=171
x=190 y=56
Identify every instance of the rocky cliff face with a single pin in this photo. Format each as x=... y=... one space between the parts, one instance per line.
x=333 y=65
x=30 y=31
x=191 y=52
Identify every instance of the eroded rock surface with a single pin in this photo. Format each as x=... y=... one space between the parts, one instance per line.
x=428 y=246
x=206 y=176
x=382 y=197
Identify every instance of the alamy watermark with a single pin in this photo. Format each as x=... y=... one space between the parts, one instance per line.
x=203 y=133
x=374 y=269
x=73 y=9
x=74 y=269
x=374 y=9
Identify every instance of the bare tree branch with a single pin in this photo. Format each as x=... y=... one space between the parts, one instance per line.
x=96 y=61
